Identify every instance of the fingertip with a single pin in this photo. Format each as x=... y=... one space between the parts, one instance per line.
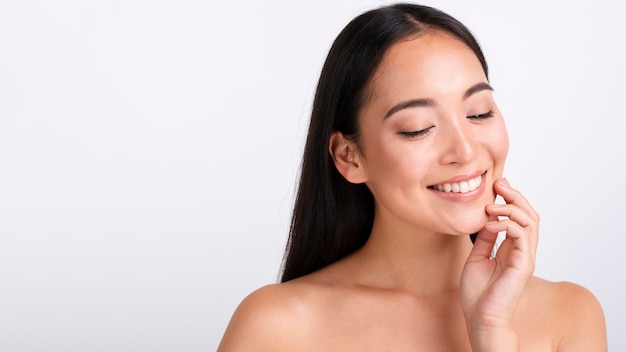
x=494 y=206
x=495 y=226
x=504 y=182
x=492 y=226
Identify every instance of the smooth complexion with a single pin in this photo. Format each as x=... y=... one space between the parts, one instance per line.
x=450 y=130
x=418 y=283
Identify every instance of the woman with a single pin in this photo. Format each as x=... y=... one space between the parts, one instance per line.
x=404 y=159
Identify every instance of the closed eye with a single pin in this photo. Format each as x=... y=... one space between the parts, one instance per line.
x=481 y=116
x=415 y=134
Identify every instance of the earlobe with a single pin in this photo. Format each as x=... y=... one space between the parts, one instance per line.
x=346 y=158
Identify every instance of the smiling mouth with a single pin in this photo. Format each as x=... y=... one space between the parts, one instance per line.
x=459 y=187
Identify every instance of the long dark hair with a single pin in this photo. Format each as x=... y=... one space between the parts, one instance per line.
x=333 y=217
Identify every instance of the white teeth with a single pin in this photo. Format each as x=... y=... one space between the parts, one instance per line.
x=461 y=187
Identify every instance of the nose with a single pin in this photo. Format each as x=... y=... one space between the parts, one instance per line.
x=459 y=145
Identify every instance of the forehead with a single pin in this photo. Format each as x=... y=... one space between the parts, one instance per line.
x=431 y=64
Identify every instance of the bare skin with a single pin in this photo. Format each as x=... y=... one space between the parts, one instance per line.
x=319 y=313
x=419 y=284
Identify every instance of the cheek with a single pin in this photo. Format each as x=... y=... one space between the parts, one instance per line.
x=395 y=164
x=389 y=163
x=503 y=142
x=499 y=147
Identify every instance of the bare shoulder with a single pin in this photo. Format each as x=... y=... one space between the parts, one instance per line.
x=575 y=314
x=269 y=317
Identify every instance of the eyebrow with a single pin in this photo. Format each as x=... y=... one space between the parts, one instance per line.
x=426 y=102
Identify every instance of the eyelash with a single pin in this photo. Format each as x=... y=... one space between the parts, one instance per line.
x=416 y=134
x=484 y=116
x=421 y=133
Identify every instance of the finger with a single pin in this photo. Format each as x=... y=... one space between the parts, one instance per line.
x=513 y=196
x=485 y=240
x=513 y=229
x=511 y=211
x=520 y=237
x=512 y=256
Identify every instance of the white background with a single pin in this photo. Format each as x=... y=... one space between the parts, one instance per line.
x=149 y=152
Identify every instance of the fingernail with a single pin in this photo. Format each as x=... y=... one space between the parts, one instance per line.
x=505 y=182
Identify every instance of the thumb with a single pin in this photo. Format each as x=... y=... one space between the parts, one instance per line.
x=485 y=240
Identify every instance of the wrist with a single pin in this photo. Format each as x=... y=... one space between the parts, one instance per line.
x=491 y=339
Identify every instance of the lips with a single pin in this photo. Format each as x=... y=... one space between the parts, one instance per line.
x=459 y=187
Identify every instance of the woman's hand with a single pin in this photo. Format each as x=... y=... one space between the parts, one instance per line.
x=492 y=287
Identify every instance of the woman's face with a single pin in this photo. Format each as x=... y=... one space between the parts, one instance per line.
x=432 y=140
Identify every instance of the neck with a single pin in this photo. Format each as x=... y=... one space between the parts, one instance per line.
x=423 y=263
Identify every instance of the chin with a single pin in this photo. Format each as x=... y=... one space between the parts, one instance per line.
x=469 y=223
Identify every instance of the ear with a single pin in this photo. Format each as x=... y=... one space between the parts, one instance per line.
x=347 y=158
